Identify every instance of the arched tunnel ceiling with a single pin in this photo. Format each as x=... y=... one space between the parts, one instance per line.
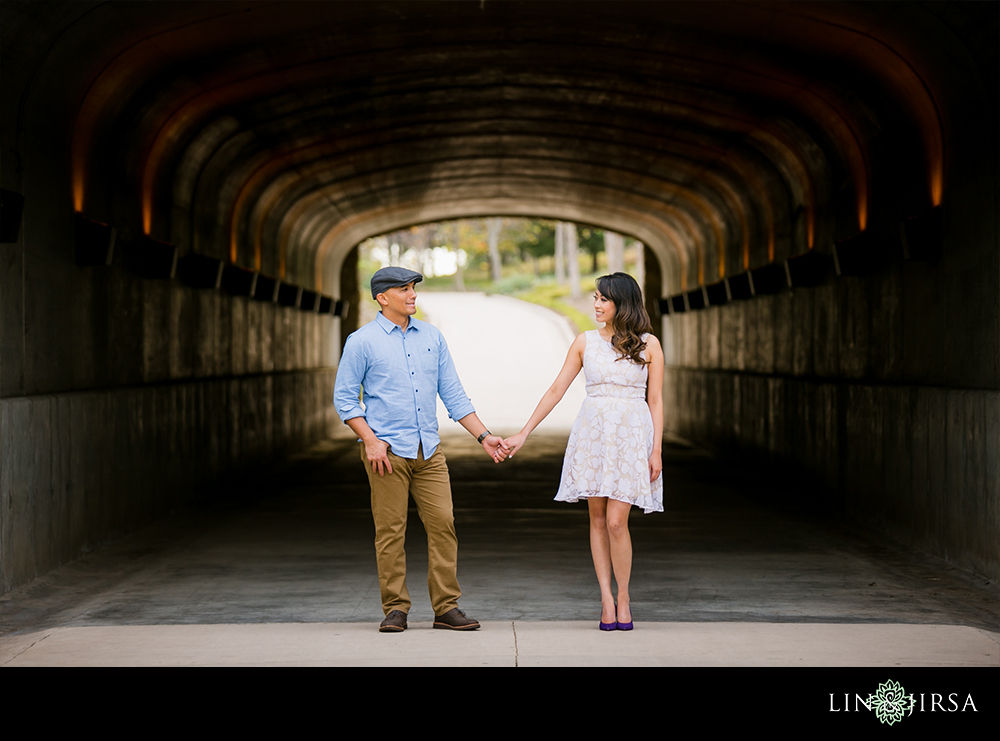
x=724 y=135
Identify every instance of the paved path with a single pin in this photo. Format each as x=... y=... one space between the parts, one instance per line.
x=507 y=352
x=283 y=572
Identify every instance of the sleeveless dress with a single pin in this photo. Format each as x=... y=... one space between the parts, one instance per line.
x=612 y=438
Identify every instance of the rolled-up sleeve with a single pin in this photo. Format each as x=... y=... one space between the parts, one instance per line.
x=347 y=390
x=456 y=401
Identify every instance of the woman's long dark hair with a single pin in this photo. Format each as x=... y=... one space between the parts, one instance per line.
x=631 y=320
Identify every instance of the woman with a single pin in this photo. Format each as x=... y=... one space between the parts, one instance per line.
x=613 y=456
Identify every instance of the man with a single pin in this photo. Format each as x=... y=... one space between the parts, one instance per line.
x=401 y=365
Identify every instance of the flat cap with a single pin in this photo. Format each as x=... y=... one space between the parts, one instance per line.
x=393 y=276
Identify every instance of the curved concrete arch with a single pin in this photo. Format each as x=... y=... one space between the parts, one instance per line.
x=127 y=60
x=710 y=213
x=279 y=161
x=487 y=191
x=702 y=223
x=213 y=192
x=187 y=175
x=899 y=67
x=189 y=113
x=321 y=165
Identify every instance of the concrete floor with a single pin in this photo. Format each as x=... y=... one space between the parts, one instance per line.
x=282 y=571
x=280 y=568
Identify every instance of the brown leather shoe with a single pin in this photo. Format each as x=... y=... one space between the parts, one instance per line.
x=455 y=619
x=395 y=622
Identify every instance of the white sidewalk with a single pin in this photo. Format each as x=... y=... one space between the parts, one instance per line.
x=508 y=644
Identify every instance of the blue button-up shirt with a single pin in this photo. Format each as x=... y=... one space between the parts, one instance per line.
x=400 y=376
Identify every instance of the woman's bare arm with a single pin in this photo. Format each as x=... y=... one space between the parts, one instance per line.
x=571 y=367
x=654 y=397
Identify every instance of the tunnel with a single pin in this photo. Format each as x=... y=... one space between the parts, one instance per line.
x=184 y=186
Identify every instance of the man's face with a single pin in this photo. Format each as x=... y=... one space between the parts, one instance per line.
x=399 y=300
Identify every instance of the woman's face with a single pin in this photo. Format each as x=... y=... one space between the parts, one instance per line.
x=604 y=308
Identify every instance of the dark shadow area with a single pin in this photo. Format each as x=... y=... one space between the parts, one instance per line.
x=294 y=544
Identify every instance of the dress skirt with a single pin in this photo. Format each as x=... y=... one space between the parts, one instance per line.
x=612 y=437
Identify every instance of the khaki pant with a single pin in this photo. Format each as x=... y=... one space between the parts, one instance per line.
x=428 y=482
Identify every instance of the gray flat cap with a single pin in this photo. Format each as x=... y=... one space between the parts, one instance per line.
x=389 y=277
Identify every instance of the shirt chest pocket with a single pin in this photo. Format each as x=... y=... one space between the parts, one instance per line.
x=427 y=360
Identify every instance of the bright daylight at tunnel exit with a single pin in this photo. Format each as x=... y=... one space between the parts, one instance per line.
x=685 y=309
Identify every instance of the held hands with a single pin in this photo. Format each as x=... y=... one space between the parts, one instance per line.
x=495 y=447
x=377 y=453
x=516 y=442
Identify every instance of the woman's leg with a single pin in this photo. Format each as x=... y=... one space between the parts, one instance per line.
x=621 y=553
x=601 y=550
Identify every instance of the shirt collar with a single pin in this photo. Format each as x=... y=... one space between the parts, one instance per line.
x=388 y=325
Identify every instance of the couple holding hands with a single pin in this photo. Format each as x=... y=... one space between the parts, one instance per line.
x=398 y=365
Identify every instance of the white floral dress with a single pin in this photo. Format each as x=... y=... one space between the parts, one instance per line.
x=612 y=438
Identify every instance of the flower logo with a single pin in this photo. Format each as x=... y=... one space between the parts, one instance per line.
x=890 y=702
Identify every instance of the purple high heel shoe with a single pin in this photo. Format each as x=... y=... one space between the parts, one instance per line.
x=624 y=626
x=609 y=626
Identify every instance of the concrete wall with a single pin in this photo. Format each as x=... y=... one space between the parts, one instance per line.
x=124 y=398
x=82 y=468
x=837 y=394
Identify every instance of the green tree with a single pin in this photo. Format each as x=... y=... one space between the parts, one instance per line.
x=591 y=241
x=535 y=239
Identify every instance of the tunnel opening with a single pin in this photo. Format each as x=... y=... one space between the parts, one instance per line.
x=513 y=256
x=517 y=272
